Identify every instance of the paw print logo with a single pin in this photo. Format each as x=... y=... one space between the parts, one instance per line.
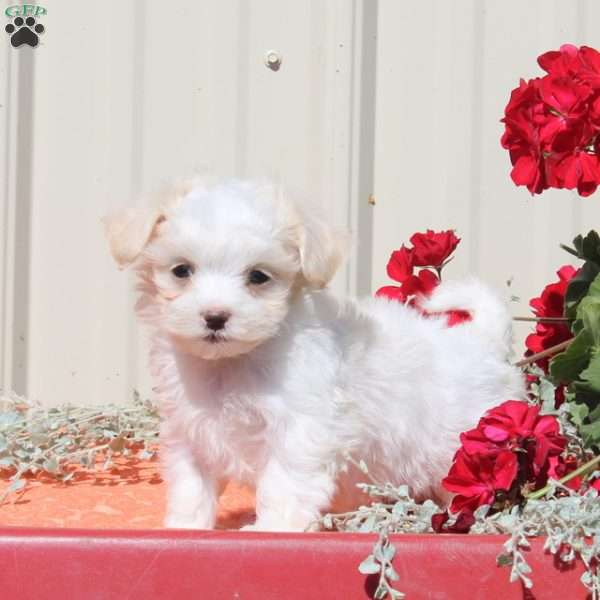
x=24 y=32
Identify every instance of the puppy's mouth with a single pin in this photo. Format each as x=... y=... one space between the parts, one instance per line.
x=213 y=338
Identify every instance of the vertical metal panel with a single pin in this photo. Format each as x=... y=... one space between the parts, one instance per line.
x=6 y=216
x=16 y=111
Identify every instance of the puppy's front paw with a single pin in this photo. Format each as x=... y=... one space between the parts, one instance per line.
x=270 y=525
x=174 y=521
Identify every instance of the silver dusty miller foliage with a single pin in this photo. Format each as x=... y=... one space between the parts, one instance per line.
x=36 y=439
x=569 y=520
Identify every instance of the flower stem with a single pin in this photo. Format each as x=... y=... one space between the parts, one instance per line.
x=582 y=470
x=548 y=352
x=543 y=319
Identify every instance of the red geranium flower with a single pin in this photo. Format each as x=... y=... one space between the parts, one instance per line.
x=456 y=317
x=551 y=303
x=400 y=266
x=421 y=284
x=477 y=478
x=511 y=446
x=431 y=249
x=565 y=125
x=463 y=522
x=559 y=467
x=579 y=170
x=521 y=138
x=516 y=425
x=392 y=292
x=580 y=64
x=552 y=123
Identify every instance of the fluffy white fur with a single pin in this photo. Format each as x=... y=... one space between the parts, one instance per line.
x=297 y=380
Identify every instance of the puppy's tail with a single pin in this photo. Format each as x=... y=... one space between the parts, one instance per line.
x=489 y=314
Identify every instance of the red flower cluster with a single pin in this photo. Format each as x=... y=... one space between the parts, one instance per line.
x=551 y=303
x=552 y=123
x=511 y=447
x=430 y=250
x=561 y=466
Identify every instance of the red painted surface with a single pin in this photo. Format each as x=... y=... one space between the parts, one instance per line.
x=78 y=564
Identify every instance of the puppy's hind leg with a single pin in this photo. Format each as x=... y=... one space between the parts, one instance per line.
x=191 y=494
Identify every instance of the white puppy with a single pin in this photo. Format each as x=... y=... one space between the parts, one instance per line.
x=264 y=378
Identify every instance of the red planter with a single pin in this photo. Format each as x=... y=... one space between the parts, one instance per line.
x=71 y=564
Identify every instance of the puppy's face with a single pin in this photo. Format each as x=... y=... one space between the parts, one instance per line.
x=218 y=269
x=222 y=276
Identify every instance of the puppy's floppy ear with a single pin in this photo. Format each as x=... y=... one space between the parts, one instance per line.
x=322 y=250
x=128 y=231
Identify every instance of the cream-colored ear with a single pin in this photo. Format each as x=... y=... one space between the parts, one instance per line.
x=322 y=249
x=128 y=231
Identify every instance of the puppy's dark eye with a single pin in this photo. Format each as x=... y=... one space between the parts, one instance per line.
x=182 y=271
x=257 y=277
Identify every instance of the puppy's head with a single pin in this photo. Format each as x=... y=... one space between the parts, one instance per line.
x=218 y=267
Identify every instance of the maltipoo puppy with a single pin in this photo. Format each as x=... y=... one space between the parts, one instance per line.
x=264 y=377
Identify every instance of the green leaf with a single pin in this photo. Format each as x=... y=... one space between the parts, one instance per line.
x=590 y=433
x=547 y=394
x=385 y=552
x=9 y=418
x=590 y=247
x=327 y=522
x=578 y=413
x=391 y=574
x=380 y=593
x=570 y=250
x=594 y=289
x=578 y=243
x=595 y=412
x=369 y=566
x=591 y=374
x=587 y=247
x=51 y=465
x=504 y=560
x=367 y=525
x=568 y=365
x=389 y=552
x=588 y=312
x=579 y=285
x=17 y=484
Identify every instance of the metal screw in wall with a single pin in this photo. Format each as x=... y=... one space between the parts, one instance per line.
x=273 y=60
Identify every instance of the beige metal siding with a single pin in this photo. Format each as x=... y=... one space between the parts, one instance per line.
x=399 y=99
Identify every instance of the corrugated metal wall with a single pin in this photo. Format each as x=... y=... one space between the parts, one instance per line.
x=398 y=99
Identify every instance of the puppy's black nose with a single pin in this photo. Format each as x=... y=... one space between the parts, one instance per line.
x=216 y=320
